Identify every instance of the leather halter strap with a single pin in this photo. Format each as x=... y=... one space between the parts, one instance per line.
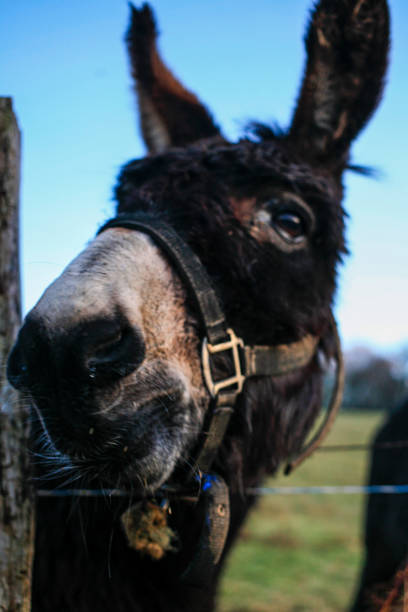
x=332 y=409
x=248 y=361
x=188 y=266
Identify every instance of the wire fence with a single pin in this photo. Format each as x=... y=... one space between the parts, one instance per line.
x=324 y=490
x=329 y=490
x=385 y=489
x=395 y=445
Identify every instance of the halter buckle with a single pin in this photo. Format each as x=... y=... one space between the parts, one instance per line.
x=238 y=379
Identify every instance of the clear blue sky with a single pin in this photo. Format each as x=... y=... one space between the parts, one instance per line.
x=64 y=64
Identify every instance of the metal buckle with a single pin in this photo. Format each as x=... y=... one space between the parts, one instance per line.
x=208 y=349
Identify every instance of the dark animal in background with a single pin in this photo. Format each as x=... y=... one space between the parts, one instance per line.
x=110 y=354
x=386 y=519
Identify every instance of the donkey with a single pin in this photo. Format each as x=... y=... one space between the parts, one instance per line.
x=385 y=524
x=206 y=232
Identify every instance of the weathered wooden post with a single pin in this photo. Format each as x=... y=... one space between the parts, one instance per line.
x=16 y=501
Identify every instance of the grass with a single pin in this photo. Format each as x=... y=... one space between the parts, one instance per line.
x=302 y=553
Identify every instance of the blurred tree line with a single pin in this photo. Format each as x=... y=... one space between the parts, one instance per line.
x=373 y=381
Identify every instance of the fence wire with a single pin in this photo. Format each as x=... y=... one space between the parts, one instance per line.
x=397 y=444
x=262 y=491
x=324 y=490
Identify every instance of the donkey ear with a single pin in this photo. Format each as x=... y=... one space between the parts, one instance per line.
x=347 y=46
x=170 y=115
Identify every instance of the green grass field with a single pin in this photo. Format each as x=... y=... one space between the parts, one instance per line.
x=302 y=553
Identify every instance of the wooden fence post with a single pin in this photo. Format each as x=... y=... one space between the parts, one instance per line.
x=16 y=498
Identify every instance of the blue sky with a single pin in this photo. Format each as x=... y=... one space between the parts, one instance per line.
x=64 y=64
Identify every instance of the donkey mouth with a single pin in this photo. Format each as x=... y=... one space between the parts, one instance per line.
x=133 y=446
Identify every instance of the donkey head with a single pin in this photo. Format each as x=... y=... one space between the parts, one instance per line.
x=110 y=354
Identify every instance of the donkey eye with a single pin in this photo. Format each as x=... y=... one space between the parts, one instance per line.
x=285 y=220
x=290 y=225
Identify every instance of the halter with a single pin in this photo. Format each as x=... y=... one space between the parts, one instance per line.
x=246 y=362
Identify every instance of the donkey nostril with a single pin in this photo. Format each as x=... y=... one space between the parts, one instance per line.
x=117 y=355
